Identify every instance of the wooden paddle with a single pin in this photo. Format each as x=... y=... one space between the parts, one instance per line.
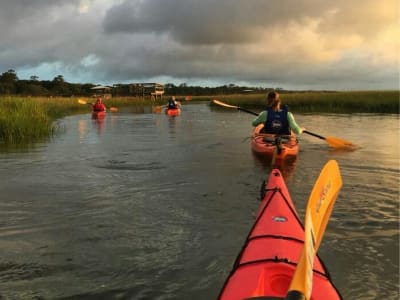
x=319 y=209
x=334 y=142
x=81 y=101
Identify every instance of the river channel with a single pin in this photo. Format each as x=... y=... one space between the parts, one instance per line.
x=146 y=206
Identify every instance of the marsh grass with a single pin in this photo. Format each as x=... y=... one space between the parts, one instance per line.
x=329 y=102
x=24 y=120
x=29 y=119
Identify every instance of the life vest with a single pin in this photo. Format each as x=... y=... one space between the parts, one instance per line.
x=171 y=104
x=277 y=121
x=99 y=107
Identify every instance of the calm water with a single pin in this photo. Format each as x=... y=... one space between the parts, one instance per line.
x=146 y=206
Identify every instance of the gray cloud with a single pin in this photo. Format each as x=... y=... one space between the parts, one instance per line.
x=205 y=21
x=313 y=43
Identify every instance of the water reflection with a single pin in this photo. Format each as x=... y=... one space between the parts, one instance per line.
x=99 y=124
x=171 y=124
x=287 y=166
x=82 y=128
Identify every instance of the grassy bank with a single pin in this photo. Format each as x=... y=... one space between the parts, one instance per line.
x=332 y=102
x=25 y=120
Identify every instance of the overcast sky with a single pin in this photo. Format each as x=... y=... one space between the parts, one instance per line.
x=292 y=44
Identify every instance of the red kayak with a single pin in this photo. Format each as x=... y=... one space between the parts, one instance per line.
x=268 y=145
x=98 y=114
x=265 y=266
x=173 y=111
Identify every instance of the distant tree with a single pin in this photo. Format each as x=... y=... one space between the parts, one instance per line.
x=10 y=76
x=59 y=78
x=60 y=87
x=34 y=78
x=30 y=88
x=7 y=82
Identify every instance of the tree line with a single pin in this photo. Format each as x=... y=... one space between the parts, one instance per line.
x=10 y=84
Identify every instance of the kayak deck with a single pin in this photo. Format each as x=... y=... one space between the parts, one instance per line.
x=265 y=144
x=98 y=114
x=173 y=111
x=267 y=262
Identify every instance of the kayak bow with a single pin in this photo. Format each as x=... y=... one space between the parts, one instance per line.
x=265 y=267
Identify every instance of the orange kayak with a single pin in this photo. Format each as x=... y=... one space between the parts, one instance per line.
x=98 y=114
x=266 y=263
x=173 y=111
x=264 y=144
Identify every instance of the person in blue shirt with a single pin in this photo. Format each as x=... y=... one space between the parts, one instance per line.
x=276 y=119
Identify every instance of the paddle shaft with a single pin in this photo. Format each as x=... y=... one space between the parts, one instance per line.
x=305 y=131
x=332 y=141
x=314 y=134
x=248 y=111
x=112 y=109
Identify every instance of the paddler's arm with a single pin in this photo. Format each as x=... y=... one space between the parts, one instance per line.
x=261 y=119
x=293 y=125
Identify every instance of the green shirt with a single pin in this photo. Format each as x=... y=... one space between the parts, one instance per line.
x=262 y=118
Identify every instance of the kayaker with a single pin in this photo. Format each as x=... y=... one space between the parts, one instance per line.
x=99 y=105
x=172 y=103
x=277 y=119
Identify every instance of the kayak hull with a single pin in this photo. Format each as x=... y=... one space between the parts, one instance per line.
x=267 y=262
x=173 y=111
x=269 y=145
x=98 y=114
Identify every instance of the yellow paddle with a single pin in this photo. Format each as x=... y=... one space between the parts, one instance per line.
x=81 y=101
x=334 y=142
x=319 y=209
x=234 y=106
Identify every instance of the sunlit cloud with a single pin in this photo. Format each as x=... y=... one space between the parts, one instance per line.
x=90 y=60
x=83 y=7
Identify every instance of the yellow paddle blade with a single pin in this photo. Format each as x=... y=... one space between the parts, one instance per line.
x=338 y=143
x=224 y=104
x=113 y=109
x=319 y=209
x=323 y=197
x=158 y=108
x=81 y=101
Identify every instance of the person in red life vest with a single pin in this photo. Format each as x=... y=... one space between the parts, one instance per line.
x=99 y=105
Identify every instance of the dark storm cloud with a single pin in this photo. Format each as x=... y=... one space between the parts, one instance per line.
x=208 y=21
x=34 y=32
x=285 y=42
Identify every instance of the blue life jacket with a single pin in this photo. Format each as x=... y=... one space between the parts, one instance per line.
x=171 y=104
x=277 y=121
